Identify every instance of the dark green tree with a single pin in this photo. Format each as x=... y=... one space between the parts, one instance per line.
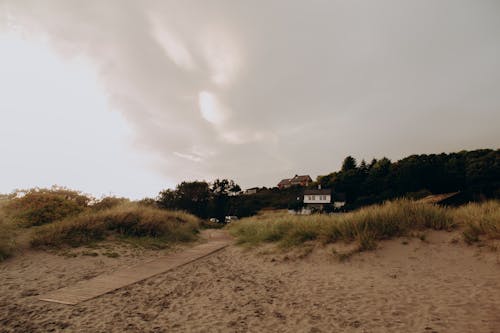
x=348 y=164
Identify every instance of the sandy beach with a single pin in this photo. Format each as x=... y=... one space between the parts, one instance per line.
x=406 y=285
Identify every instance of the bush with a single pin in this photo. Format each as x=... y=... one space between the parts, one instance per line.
x=129 y=219
x=42 y=206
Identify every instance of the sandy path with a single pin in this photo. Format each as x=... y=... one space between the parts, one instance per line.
x=432 y=286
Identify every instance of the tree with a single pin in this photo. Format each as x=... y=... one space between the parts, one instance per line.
x=348 y=164
x=220 y=203
x=167 y=199
x=363 y=167
x=192 y=197
x=224 y=187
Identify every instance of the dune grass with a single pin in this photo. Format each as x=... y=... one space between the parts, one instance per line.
x=368 y=225
x=7 y=239
x=126 y=220
x=58 y=217
x=41 y=206
x=8 y=231
x=479 y=220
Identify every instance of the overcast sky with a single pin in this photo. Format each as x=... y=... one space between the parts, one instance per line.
x=130 y=97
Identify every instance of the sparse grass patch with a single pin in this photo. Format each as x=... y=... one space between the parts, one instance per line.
x=343 y=256
x=89 y=253
x=111 y=254
x=151 y=243
x=126 y=221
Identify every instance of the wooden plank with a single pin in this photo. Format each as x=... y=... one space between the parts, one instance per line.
x=100 y=285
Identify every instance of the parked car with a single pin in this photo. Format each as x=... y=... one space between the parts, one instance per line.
x=230 y=219
x=214 y=220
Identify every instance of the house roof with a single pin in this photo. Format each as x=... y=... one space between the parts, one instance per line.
x=301 y=178
x=318 y=192
x=284 y=181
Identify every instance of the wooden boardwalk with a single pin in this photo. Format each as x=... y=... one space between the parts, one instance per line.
x=100 y=285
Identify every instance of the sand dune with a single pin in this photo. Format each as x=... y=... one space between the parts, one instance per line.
x=404 y=286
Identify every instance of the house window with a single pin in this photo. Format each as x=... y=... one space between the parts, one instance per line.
x=313 y=197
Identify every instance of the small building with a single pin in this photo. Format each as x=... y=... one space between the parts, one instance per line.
x=297 y=180
x=250 y=191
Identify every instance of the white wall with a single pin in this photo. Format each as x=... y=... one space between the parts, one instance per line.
x=317 y=198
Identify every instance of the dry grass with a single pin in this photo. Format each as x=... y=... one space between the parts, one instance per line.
x=59 y=217
x=41 y=206
x=370 y=224
x=126 y=220
x=7 y=236
x=7 y=231
x=479 y=220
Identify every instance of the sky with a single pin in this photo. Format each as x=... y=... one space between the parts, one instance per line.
x=127 y=98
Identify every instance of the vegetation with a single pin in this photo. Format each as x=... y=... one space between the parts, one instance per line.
x=368 y=225
x=7 y=235
x=474 y=173
x=129 y=220
x=200 y=198
x=59 y=217
x=207 y=200
x=479 y=220
x=7 y=230
x=41 y=206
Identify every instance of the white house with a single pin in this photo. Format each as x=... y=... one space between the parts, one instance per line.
x=317 y=199
x=317 y=196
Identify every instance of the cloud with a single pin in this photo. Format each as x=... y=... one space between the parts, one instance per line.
x=211 y=109
x=172 y=46
x=258 y=91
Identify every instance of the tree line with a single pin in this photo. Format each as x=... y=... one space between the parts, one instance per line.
x=476 y=174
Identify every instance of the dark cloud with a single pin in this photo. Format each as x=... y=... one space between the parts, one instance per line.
x=298 y=84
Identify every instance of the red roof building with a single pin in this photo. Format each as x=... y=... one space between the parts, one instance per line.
x=297 y=180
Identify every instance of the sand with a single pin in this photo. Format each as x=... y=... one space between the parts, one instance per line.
x=406 y=285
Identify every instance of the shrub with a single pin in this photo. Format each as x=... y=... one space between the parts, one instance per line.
x=129 y=219
x=42 y=206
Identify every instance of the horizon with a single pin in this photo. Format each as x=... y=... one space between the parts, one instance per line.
x=128 y=99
